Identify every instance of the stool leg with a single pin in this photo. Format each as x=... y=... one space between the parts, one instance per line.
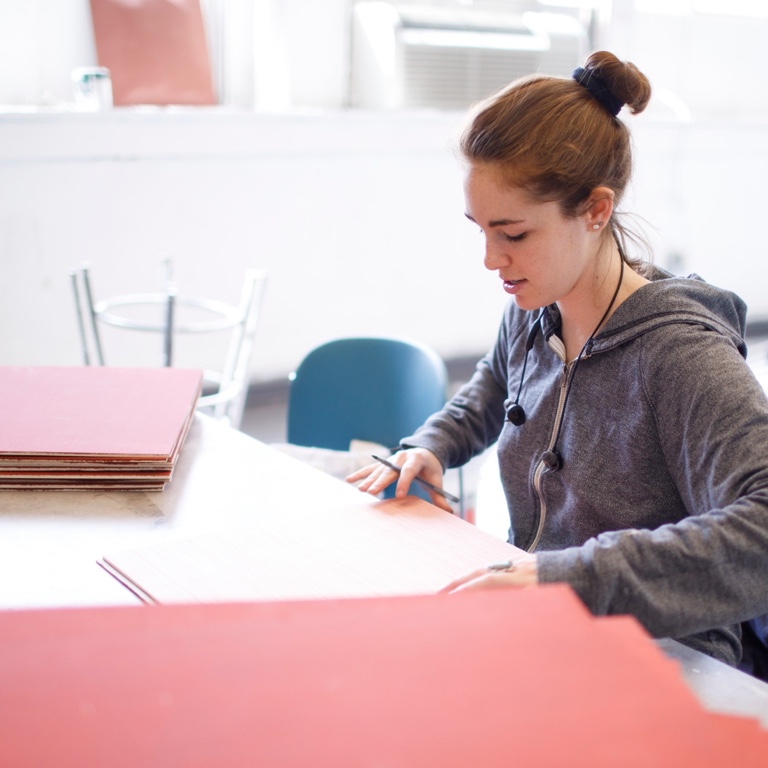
x=80 y=323
x=168 y=333
x=93 y=316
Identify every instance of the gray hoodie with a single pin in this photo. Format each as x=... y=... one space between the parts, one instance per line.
x=660 y=507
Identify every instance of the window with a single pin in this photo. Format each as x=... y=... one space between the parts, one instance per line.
x=705 y=56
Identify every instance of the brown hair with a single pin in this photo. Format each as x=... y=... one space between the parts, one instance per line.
x=555 y=139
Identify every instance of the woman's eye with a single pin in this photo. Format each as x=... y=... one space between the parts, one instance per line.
x=513 y=238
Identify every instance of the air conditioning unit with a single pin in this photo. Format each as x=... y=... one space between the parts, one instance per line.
x=410 y=56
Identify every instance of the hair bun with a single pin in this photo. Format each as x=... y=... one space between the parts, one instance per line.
x=613 y=82
x=598 y=88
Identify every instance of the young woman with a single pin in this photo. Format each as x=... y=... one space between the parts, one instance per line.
x=632 y=436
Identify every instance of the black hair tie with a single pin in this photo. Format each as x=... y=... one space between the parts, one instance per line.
x=597 y=87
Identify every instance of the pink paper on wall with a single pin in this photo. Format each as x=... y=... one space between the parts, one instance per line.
x=155 y=50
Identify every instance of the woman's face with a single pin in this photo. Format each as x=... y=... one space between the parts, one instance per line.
x=541 y=256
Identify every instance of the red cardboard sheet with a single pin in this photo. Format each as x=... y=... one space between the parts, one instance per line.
x=480 y=679
x=392 y=547
x=95 y=411
x=156 y=51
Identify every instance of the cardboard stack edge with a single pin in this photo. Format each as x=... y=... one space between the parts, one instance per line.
x=84 y=428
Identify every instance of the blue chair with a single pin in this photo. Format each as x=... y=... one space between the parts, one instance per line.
x=373 y=389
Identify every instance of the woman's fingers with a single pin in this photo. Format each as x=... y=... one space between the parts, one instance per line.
x=413 y=463
x=373 y=478
x=523 y=572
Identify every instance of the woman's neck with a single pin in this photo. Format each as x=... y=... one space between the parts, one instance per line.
x=584 y=314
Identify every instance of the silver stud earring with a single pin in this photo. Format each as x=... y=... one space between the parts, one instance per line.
x=596 y=226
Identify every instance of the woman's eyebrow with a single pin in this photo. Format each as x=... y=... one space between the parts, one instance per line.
x=499 y=222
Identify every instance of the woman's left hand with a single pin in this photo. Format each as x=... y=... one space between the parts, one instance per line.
x=522 y=572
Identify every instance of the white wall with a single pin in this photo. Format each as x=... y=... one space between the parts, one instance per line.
x=357 y=219
x=357 y=216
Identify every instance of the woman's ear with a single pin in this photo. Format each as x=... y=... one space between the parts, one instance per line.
x=599 y=207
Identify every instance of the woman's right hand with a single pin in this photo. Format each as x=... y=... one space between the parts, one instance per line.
x=413 y=462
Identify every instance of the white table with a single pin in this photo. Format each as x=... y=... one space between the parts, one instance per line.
x=50 y=542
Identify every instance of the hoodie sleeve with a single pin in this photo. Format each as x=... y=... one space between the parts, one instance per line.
x=471 y=421
x=711 y=568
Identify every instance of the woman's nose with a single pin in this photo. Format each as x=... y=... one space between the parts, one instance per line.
x=495 y=257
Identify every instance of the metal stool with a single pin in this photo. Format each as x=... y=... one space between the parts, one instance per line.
x=224 y=391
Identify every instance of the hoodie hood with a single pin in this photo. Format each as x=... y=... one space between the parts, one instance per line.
x=663 y=301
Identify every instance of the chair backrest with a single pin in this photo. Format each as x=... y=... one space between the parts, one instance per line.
x=373 y=389
x=225 y=391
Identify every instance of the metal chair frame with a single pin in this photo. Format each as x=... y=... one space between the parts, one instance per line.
x=230 y=384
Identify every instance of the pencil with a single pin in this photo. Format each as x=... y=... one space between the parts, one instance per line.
x=419 y=480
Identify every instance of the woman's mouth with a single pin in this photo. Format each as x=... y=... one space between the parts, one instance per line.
x=513 y=286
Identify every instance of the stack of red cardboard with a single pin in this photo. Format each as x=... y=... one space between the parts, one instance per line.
x=93 y=427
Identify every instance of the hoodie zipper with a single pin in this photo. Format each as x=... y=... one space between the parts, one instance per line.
x=539 y=471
